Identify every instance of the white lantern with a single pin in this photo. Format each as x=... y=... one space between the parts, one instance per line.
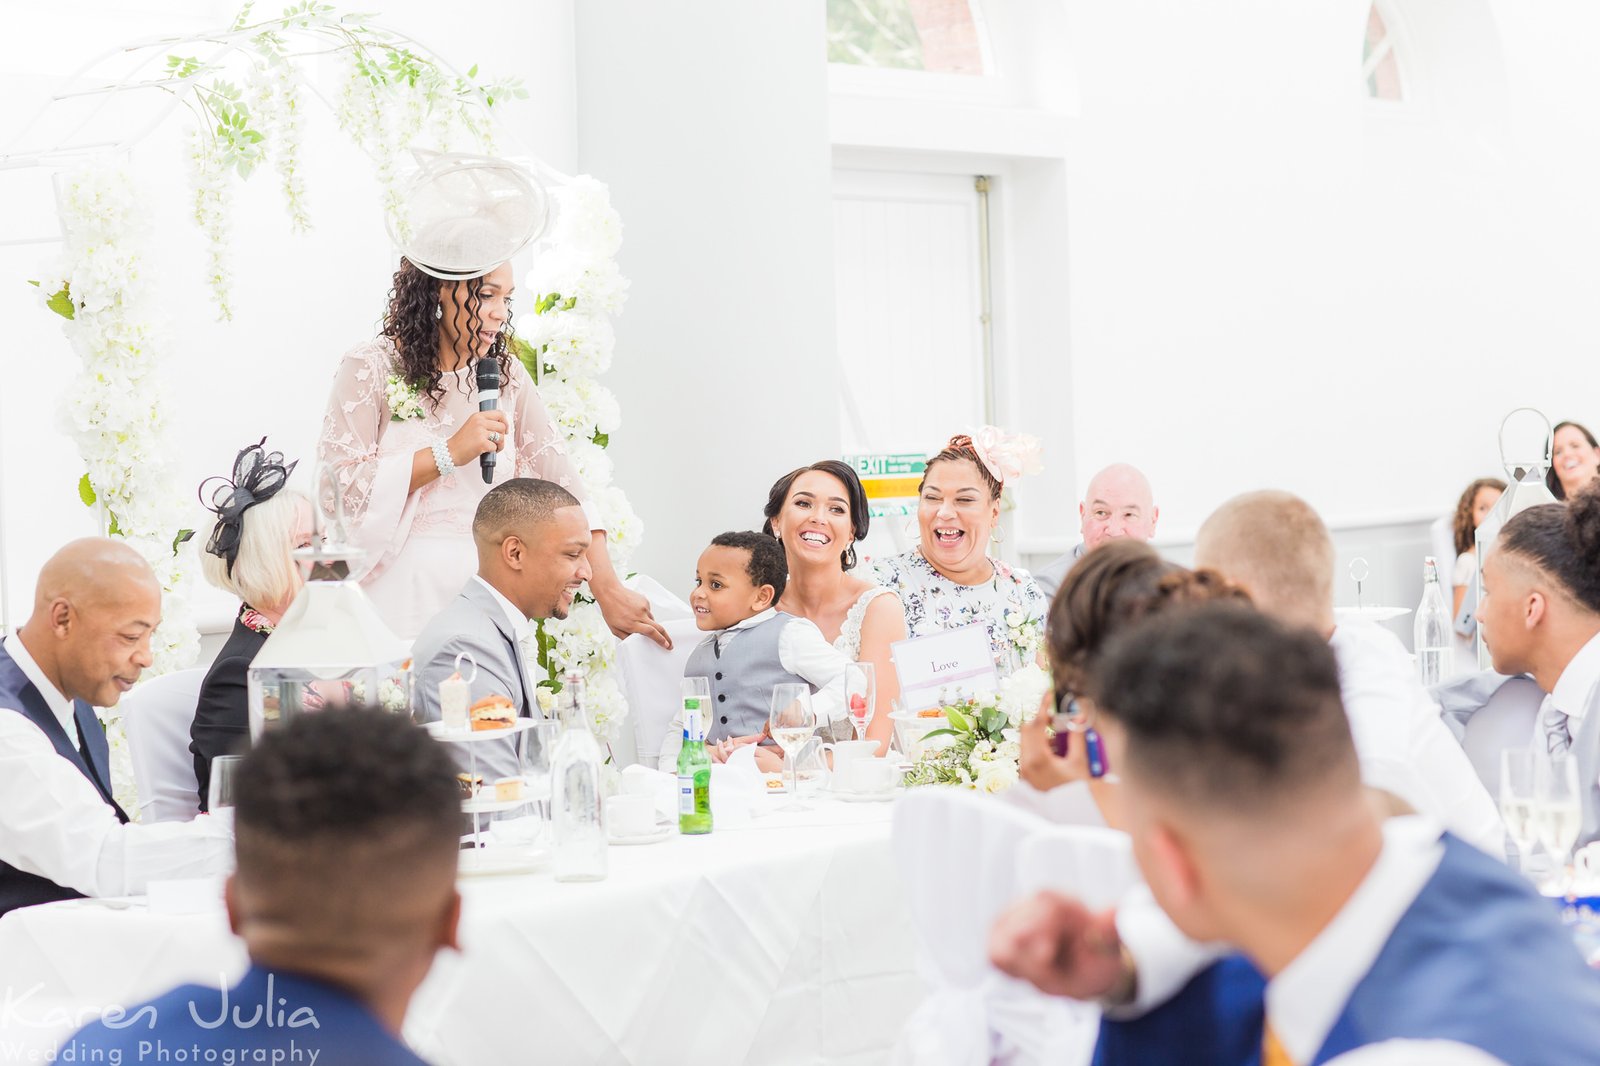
x=1525 y=488
x=331 y=649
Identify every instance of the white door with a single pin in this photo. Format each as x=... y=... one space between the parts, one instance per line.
x=908 y=298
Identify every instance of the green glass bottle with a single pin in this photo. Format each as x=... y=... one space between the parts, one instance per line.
x=694 y=772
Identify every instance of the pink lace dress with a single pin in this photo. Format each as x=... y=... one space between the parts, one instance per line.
x=418 y=545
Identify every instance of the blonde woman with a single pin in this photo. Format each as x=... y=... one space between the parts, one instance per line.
x=249 y=550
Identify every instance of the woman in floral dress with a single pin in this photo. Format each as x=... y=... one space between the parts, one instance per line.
x=403 y=434
x=949 y=580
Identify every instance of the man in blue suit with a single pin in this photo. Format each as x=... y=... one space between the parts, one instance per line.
x=1244 y=801
x=347 y=834
x=62 y=835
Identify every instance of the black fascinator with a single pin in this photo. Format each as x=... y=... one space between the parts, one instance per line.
x=258 y=475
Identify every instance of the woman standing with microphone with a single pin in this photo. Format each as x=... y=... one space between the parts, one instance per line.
x=403 y=430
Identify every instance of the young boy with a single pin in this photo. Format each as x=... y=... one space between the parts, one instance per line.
x=753 y=647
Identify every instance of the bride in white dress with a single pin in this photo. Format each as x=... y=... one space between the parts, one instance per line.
x=818 y=513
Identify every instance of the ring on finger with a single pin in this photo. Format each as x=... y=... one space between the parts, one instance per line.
x=494 y=438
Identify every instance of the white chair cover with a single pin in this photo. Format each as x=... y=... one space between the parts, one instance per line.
x=957 y=852
x=1506 y=721
x=650 y=674
x=1096 y=866
x=157 y=715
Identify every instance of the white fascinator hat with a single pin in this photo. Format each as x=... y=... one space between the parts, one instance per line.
x=461 y=215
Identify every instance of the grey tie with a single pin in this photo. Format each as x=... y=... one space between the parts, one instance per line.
x=1557 y=737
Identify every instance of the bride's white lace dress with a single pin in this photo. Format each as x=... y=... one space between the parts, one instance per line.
x=849 y=639
x=418 y=545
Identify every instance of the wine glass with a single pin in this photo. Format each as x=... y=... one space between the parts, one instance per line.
x=1558 y=810
x=1516 y=801
x=792 y=722
x=861 y=695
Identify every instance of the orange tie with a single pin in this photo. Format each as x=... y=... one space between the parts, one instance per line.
x=1272 y=1053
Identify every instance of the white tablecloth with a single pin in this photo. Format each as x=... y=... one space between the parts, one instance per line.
x=780 y=941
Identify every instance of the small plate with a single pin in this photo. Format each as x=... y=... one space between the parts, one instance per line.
x=655 y=836
x=437 y=731
x=492 y=861
x=782 y=788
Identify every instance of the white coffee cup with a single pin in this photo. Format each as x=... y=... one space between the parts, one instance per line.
x=846 y=752
x=640 y=781
x=629 y=815
x=868 y=775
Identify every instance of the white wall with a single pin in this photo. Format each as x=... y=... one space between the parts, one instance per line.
x=708 y=118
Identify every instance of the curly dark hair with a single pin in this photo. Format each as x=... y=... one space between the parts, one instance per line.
x=411 y=323
x=767 y=564
x=860 y=514
x=1462 y=524
x=1563 y=540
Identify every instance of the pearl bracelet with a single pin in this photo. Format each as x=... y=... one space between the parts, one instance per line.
x=441 y=459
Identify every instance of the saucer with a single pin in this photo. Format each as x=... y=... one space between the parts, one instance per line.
x=849 y=796
x=655 y=836
x=487 y=862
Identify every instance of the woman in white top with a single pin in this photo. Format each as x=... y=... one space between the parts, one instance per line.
x=949 y=579
x=403 y=433
x=1473 y=507
x=812 y=511
x=1574 y=459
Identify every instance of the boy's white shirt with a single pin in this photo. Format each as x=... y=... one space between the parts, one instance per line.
x=803 y=651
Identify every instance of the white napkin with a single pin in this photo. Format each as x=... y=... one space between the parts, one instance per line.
x=661 y=788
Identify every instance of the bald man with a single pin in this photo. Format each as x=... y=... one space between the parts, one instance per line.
x=1275 y=546
x=62 y=835
x=1118 y=503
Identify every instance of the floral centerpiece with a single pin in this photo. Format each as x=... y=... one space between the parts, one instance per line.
x=984 y=747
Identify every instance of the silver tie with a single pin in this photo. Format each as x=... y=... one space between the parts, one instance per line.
x=1557 y=737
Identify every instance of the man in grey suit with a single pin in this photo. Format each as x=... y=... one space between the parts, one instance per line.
x=1540 y=615
x=533 y=540
x=1117 y=503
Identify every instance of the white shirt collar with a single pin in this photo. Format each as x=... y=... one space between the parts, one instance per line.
x=1577 y=681
x=1305 y=1000
x=520 y=625
x=722 y=636
x=59 y=705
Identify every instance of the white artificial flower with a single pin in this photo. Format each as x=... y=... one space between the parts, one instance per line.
x=1022 y=692
x=996 y=776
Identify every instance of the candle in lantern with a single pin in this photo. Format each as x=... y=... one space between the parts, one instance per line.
x=454 y=696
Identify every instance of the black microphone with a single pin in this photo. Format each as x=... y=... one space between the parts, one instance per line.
x=488 y=400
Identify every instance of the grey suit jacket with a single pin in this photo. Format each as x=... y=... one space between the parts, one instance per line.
x=1460 y=698
x=473 y=622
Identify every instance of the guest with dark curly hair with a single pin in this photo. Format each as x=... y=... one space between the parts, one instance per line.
x=819 y=513
x=1471 y=509
x=403 y=432
x=949 y=579
x=347 y=832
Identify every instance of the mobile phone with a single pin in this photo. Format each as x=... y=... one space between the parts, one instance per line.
x=1061 y=744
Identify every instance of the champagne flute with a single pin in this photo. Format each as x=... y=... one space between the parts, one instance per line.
x=1558 y=811
x=1516 y=801
x=861 y=695
x=792 y=722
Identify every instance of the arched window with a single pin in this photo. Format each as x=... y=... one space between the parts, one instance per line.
x=936 y=36
x=1380 y=64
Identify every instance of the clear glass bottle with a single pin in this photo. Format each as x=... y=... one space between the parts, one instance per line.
x=580 y=835
x=694 y=772
x=1431 y=637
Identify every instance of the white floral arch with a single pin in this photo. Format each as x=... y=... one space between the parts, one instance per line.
x=247 y=94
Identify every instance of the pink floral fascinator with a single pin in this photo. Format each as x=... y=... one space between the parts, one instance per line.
x=1008 y=456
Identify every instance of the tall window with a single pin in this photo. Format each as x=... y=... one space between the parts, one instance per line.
x=937 y=36
x=1380 y=67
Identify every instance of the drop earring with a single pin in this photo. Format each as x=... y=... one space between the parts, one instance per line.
x=438 y=311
